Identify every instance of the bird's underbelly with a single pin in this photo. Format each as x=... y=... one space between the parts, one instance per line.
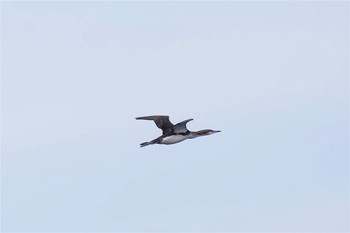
x=173 y=139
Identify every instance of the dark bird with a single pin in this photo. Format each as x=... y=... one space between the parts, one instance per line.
x=173 y=133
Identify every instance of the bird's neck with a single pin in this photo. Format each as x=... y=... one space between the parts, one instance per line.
x=194 y=134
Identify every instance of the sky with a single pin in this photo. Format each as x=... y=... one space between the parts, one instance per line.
x=271 y=75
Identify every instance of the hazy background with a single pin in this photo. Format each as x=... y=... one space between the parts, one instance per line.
x=273 y=76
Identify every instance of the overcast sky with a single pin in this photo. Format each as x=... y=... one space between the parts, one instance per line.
x=272 y=76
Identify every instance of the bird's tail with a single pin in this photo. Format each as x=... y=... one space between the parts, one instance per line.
x=145 y=144
x=155 y=141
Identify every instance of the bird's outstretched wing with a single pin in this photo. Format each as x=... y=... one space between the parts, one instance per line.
x=181 y=127
x=162 y=122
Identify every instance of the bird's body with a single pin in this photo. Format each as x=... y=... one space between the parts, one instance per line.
x=175 y=138
x=173 y=133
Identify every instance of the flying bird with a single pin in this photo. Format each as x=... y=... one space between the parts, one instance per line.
x=173 y=133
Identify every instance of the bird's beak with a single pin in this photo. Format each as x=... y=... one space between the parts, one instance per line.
x=217 y=131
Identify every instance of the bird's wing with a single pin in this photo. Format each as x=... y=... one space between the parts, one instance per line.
x=162 y=122
x=181 y=127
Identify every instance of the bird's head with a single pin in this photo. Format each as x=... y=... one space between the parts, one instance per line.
x=206 y=132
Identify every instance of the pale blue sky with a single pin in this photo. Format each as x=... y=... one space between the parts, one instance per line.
x=273 y=76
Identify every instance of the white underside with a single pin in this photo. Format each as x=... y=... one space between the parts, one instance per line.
x=174 y=139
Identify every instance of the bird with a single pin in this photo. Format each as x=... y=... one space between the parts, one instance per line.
x=173 y=133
